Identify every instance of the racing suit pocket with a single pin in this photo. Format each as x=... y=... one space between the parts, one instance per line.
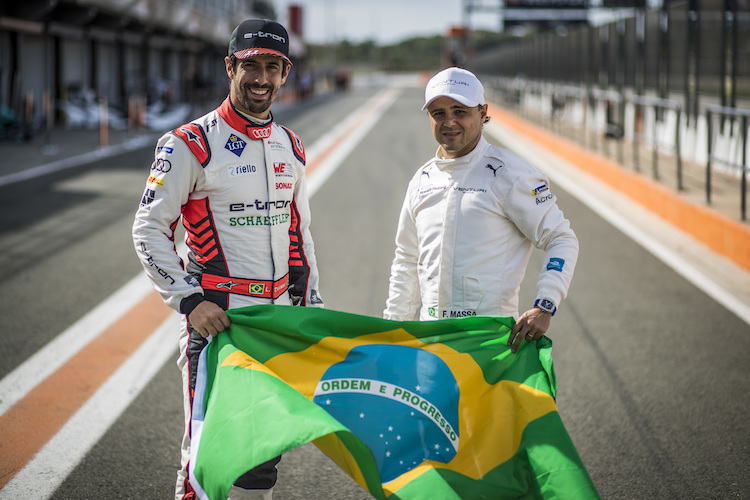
x=473 y=293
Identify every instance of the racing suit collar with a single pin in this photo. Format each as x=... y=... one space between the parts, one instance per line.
x=450 y=163
x=243 y=125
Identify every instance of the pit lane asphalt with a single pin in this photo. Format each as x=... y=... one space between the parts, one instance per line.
x=650 y=370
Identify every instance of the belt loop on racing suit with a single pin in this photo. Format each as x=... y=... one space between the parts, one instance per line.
x=266 y=289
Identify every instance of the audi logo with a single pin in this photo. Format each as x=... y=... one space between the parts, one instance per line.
x=161 y=165
x=263 y=133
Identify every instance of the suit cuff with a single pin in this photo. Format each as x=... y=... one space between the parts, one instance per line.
x=190 y=302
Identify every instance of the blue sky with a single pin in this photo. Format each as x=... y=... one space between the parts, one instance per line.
x=385 y=21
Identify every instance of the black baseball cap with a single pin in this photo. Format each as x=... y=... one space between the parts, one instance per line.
x=256 y=37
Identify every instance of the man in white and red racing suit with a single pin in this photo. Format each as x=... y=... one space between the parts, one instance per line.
x=470 y=219
x=236 y=180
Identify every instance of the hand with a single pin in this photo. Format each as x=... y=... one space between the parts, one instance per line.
x=208 y=319
x=531 y=325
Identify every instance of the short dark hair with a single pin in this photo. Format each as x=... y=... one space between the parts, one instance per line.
x=486 y=117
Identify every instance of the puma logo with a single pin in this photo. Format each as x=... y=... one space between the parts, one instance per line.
x=494 y=169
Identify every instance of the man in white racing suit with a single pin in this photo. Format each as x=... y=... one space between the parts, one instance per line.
x=236 y=179
x=469 y=222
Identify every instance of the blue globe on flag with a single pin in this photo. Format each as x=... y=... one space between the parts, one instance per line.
x=402 y=402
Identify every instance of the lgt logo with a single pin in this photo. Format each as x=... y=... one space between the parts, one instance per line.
x=235 y=145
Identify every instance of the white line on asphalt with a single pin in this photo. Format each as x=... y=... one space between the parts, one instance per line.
x=76 y=161
x=49 y=468
x=59 y=350
x=43 y=475
x=28 y=375
x=363 y=119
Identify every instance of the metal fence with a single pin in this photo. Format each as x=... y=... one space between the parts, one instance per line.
x=688 y=50
x=636 y=130
x=733 y=154
x=673 y=81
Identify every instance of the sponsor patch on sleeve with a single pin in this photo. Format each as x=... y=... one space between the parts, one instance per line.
x=148 y=196
x=192 y=281
x=555 y=264
x=155 y=180
x=195 y=138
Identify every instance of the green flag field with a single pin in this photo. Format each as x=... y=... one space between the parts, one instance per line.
x=409 y=410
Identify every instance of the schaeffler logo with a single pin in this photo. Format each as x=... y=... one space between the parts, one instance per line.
x=263 y=34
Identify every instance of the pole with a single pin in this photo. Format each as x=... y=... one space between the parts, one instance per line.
x=46 y=111
x=103 y=123
x=708 y=161
x=743 y=192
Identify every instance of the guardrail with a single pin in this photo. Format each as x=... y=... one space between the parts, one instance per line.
x=568 y=104
x=723 y=112
x=646 y=121
x=614 y=128
x=657 y=105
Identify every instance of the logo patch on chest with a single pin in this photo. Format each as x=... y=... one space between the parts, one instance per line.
x=237 y=170
x=235 y=145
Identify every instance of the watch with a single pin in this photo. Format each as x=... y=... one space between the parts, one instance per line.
x=546 y=305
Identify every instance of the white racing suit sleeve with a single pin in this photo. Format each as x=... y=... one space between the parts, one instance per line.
x=403 y=290
x=174 y=174
x=533 y=209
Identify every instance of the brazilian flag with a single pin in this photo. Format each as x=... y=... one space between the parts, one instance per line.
x=410 y=410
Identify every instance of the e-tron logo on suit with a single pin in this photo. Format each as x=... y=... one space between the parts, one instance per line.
x=161 y=165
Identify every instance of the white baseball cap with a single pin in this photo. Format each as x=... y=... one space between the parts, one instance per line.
x=456 y=83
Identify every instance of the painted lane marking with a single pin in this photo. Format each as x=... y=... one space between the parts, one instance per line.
x=73 y=406
x=30 y=423
x=331 y=150
x=38 y=367
x=39 y=479
x=76 y=161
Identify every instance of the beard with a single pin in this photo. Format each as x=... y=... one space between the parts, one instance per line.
x=252 y=103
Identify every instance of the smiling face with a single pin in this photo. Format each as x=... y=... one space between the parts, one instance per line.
x=457 y=128
x=255 y=82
